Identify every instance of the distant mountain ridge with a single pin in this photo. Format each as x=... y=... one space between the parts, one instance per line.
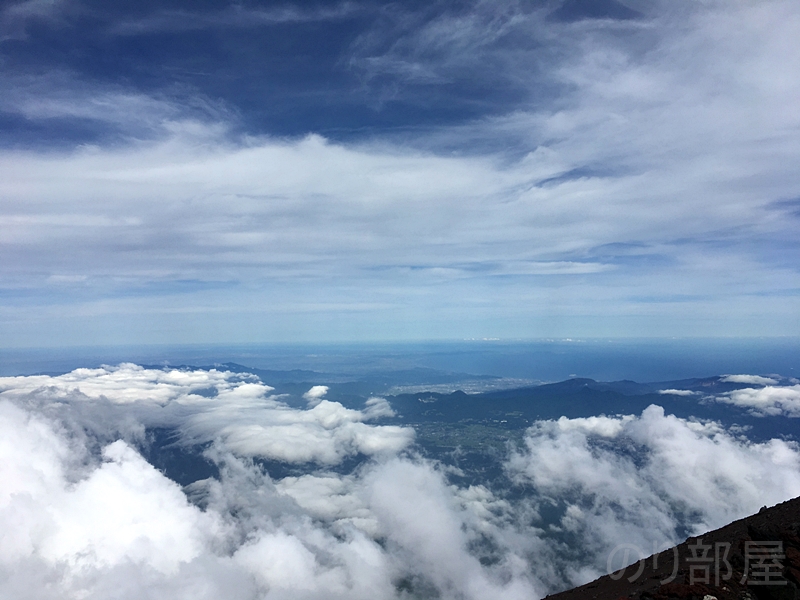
x=515 y=407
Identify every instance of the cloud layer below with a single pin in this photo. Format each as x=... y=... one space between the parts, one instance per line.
x=82 y=513
x=768 y=400
x=234 y=410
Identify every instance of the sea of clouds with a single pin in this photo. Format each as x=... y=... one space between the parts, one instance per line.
x=84 y=515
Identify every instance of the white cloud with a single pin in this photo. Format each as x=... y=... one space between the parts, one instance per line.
x=332 y=498
x=678 y=392
x=377 y=407
x=119 y=514
x=126 y=511
x=414 y=504
x=70 y=529
x=766 y=401
x=315 y=394
x=641 y=480
x=663 y=136
x=236 y=410
x=602 y=426
x=85 y=513
x=326 y=433
x=749 y=379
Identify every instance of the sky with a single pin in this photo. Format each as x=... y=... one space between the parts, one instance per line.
x=175 y=172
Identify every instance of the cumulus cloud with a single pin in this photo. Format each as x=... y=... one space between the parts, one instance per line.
x=204 y=406
x=125 y=526
x=82 y=511
x=651 y=479
x=377 y=407
x=766 y=401
x=749 y=379
x=413 y=502
x=79 y=530
x=326 y=433
x=674 y=392
x=121 y=514
x=315 y=394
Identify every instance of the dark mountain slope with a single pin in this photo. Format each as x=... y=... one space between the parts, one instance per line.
x=762 y=563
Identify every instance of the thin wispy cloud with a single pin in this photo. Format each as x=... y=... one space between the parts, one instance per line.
x=234 y=16
x=633 y=170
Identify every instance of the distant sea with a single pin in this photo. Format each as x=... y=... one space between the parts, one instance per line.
x=640 y=360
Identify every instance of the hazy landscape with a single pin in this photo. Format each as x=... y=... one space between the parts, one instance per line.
x=378 y=482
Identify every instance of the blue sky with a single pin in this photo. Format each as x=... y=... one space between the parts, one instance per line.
x=175 y=172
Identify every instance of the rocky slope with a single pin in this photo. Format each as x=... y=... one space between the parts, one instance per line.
x=756 y=558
